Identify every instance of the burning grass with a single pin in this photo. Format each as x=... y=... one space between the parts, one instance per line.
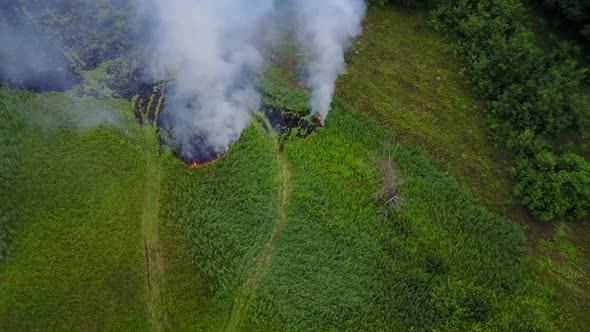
x=286 y=105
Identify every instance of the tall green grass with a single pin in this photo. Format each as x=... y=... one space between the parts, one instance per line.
x=401 y=72
x=225 y=211
x=77 y=257
x=438 y=261
x=226 y=207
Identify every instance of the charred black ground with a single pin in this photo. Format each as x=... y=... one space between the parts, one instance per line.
x=286 y=122
x=194 y=149
x=150 y=105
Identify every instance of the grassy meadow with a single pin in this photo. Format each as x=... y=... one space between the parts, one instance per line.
x=75 y=259
x=225 y=211
x=438 y=260
x=402 y=73
x=282 y=233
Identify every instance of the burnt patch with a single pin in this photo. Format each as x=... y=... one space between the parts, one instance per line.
x=197 y=151
x=287 y=122
x=193 y=149
x=147 y=101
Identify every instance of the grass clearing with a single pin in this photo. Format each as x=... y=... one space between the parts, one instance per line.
x=226 y=211
x=439 y=261
x=77 y=259
x=400 y=72
x=404 y=75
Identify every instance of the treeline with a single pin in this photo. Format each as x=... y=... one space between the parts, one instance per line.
x=533 y=96
x=576 y=12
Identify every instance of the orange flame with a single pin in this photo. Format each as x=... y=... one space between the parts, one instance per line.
x=194 y=165
x=198 y=164
x=318 y=120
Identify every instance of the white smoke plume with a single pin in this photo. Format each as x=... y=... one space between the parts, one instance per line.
x=212 y=49
x=325 y=30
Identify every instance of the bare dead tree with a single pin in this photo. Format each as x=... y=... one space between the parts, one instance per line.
x=389 y=190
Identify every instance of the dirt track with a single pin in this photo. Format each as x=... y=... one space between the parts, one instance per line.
x=154 y=265
x=262 y=264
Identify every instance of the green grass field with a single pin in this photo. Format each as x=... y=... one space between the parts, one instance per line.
x=402 y=73
x=102 y=229
x=226 y=211
x=77 y=260
x=439 y=260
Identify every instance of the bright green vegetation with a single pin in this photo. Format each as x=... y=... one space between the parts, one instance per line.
x=101 y=228
x=227 y=210
x=439 y=260
x=530 y=91
x=397 y=44
x=151 y=231
x=404 y=77
x=191 y=301
x=564 y=258
x=291 y=98
x=76 y=197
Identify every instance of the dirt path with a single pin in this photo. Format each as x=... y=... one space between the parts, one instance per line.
x=261 y=267
x=154 y=266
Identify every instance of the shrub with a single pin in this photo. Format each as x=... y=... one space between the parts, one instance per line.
x=527 y=89
x=531 y=93
x=575 y=11
x=552 y=186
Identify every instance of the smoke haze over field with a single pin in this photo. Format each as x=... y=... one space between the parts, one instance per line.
x=29 y=59
x=213 y=50
x=210 y=50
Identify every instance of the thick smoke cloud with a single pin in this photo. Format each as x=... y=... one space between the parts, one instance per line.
x=28 y=59
x=213 y=50
x=210 y=49
x=325 y=29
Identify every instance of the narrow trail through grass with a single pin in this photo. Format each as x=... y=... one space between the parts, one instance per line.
x=262 y=263
x=154 y=266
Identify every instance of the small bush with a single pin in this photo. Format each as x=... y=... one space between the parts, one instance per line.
x=552 y=186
